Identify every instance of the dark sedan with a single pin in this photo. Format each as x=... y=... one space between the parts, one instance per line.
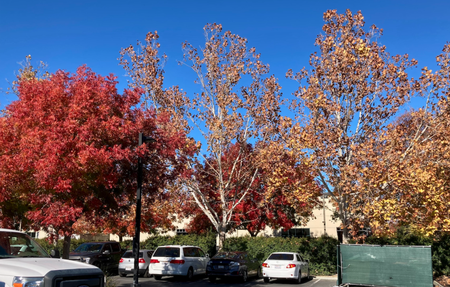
x=231 y=264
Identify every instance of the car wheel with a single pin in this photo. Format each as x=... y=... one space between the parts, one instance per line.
x=190 y=274
x=260 y=275
x=299 y=279
x=212 y=279
x=266 y=279
x=244 y=276
x=158 y=277
x=122 y=274
x=147 y=273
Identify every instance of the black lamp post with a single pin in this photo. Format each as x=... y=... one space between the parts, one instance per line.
x=137 y=232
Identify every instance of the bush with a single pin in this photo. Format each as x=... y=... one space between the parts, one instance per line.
x=74 y=243
x=207 y=242
x=321 y=252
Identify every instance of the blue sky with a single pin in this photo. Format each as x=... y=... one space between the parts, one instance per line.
x=67 y=34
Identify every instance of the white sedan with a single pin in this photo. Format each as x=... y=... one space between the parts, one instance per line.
x=285 y=265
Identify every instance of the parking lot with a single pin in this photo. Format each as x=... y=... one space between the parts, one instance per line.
x=203 y=281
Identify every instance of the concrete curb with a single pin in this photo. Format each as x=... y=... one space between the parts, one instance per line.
x=334 y=277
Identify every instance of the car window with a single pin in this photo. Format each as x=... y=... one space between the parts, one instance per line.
x=197 y=252
x=89 y=247
x=167 y=252
x=116 y=247
x=201 y=253
x=190 y=252
x=299 y=258
x=281 y=256
x=227 y=255
x=149 y=253
x=129 y=254
x=107 y=247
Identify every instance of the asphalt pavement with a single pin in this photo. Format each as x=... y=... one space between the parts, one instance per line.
x=202 y=281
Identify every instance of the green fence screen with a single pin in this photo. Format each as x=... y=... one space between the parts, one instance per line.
x=393 y=266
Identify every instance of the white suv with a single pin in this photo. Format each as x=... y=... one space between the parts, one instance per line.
x=175 y=260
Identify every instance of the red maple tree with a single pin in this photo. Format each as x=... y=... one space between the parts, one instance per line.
x=69 y=151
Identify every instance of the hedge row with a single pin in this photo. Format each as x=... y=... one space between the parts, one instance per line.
x=321 y=251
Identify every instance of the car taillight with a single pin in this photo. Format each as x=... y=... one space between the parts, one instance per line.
x=141 y=260
x=265 y=265
x=154 y=261
x=177 y=261
x=291 y=266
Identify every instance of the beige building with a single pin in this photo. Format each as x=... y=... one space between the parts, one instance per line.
x=319 y=224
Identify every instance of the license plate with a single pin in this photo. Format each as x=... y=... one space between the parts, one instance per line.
x=277 y=267
x=220 y=266
x=128 y=268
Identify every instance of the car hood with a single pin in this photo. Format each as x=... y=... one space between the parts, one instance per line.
x=38 y=266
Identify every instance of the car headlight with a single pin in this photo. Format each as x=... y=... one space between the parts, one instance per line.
x=87 y=259
x=209 y=262
x=27 y=281
x=233 y=264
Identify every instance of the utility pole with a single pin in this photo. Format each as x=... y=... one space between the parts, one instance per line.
x=137 y=232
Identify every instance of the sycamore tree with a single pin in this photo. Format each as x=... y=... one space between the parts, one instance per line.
x=68 y=150
x=237 y=104
x=352 y=91
x=269 y=202
x=409 y=183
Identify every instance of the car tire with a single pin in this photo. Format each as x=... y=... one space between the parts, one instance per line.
x=212 y=279
x=190 y=274
x=299 y=279
x=122 y=274
x=158 y=277
x=147 y=273
x=266 y=279
x=244 y=276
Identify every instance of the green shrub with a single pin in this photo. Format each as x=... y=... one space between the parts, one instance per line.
x=207 y=242
x=74 y=243
x=321 y=252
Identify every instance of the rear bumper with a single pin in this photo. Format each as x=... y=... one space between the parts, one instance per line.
x=285 y=274
x=231 y=273
x=125 y=271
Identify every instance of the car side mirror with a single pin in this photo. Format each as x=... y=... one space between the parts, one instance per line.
x=54 y=253
x=106 y=252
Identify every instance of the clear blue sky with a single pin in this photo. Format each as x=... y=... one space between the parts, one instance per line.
x=67 y=34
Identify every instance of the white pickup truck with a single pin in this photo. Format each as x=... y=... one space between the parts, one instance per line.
x=23 y=263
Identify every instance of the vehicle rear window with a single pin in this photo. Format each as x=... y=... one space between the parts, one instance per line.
x=167 y=252
x=281 y=257
x=89 y=247
x=129 y=254
x=227 y=255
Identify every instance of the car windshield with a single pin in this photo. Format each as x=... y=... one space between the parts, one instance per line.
x=129 y=254
x=167 y=252
x=88 y=247
x=228 y=255
x=15 y=244
x=281 y=256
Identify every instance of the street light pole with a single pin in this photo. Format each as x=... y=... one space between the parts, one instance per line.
x=137 y=232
